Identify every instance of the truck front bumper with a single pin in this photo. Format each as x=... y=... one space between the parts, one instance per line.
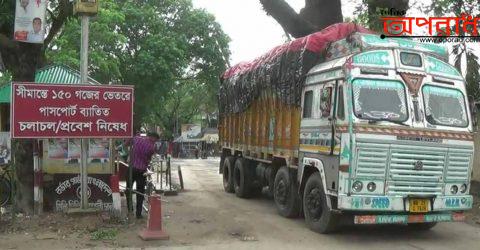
x=402 y=204
x=408 y=218
x=373 y=209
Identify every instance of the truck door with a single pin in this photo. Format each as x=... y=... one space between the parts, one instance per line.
x=317 y=122
x=326 y=116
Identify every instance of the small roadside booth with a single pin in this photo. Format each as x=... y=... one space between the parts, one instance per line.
x=205 y=141
x=210 y=142
x=60 y=158
x=185 y=147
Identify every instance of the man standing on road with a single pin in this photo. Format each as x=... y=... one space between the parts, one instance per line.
x=142 y=149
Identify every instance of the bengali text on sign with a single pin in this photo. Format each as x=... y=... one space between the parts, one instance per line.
x=71 y=111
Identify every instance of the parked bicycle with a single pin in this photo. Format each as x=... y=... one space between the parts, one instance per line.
x=149 y=188
x=5 y=185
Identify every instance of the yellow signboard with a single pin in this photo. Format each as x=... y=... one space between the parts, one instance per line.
x=86 y=7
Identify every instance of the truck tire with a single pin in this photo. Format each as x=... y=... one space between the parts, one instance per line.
x=228 y=165
x=285 y=194
x=271 y=183
x=242 y=178
x=318 y=216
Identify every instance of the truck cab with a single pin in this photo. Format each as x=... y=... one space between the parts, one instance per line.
x=387 y=126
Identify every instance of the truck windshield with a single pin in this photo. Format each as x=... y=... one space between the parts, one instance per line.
x=444 y=106
x=379 y=100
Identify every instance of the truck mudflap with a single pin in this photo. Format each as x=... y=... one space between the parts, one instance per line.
x=408 y=218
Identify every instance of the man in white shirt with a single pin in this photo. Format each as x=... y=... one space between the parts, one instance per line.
x=36 y=35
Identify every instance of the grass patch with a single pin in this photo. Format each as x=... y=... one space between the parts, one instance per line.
x=104 y=234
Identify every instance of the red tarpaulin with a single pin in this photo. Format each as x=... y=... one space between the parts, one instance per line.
x=281 y=71
x=315 y=43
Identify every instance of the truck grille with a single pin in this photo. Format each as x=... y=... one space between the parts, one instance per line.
x=458 y=163
x=404 y=179
x=396 y=163
x=371 y=160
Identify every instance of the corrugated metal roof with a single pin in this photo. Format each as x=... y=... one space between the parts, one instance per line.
x=51 y=74
x=5 y=93
x=60 y=74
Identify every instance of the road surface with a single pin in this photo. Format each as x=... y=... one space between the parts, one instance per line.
x=204 y=216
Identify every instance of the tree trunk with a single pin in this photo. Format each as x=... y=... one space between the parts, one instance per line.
x=316 y=15
x=374 y=6
x=22 y=59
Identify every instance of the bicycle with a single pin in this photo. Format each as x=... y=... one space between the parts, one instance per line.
x=5 y=185
x=149 y=188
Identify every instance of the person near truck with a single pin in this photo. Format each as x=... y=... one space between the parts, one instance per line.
x=142 y=149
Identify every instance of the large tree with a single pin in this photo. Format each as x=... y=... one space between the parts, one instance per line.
x=21 y=60
x=318 y=14
x=464 y=57
x=161 y=47
x=155 y=45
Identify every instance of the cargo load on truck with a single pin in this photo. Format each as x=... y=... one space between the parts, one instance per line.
x=282 y=69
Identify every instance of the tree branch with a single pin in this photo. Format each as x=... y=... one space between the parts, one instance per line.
x=291 y=21
x=7 y=43
x=65 y=10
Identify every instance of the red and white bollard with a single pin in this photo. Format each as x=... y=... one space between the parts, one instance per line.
x=115 y=186
x=154 y=229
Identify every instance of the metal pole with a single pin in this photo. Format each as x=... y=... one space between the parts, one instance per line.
x=84 y=80
x=38 y=180
x=170 y=174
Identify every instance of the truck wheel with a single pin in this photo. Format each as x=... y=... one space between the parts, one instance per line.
x=318 y=216
x=242 y=178
x=228 y=174
x=271 y=183
x=286 y=194
x=422 y=226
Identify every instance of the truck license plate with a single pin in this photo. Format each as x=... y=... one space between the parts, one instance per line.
x=419 y=205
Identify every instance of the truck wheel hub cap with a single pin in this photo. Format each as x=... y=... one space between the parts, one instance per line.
x=313 y=203
x=281 y=192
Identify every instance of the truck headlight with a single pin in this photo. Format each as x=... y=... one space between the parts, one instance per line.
x=463 y=188
x=454 y=189
x=371 y=186
x=357 y=186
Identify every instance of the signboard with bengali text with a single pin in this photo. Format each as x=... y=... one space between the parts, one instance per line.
x=71 y=111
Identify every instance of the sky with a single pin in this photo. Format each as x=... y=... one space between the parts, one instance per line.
x=252 y=32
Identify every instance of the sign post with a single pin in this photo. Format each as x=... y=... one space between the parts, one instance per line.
x=84 y=8
x=84 y=80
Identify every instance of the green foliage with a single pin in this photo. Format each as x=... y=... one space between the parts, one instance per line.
x=461 y=52
x=165 y=48
x=361 y=14
x=473 y=76
x=5 y=78
x=104 y=234
x=105 y=44
x=369 y=12
x=7 y=16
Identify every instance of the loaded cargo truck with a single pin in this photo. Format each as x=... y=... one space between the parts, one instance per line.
x=343 y=124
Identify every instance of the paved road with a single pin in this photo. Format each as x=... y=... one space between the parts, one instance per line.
x=206 y=217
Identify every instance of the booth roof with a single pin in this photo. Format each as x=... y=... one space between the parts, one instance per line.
x=56 y=73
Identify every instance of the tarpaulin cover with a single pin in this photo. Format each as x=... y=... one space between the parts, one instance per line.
x=280 y=71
